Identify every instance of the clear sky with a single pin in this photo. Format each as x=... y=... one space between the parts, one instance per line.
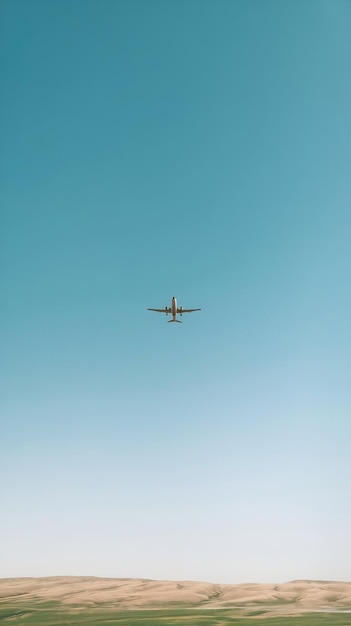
x=200 y=149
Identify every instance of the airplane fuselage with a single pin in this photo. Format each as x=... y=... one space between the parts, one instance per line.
x=174 y=308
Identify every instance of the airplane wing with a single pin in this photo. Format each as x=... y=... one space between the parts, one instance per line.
x=166 y=310
x=187 y=310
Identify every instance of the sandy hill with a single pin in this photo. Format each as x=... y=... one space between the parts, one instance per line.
x=125 y=593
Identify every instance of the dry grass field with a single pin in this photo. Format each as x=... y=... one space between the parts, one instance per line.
x=131 y=602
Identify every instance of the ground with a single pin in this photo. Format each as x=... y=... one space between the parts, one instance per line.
x=73 y=601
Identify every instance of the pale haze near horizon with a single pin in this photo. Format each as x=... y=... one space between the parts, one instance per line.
x=196 y=149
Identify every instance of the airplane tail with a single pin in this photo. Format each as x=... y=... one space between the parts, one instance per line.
x=178 y=321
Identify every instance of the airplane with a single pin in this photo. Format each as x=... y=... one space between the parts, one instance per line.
x=174 y=310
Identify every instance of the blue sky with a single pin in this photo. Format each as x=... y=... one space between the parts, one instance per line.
x=198 y=149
